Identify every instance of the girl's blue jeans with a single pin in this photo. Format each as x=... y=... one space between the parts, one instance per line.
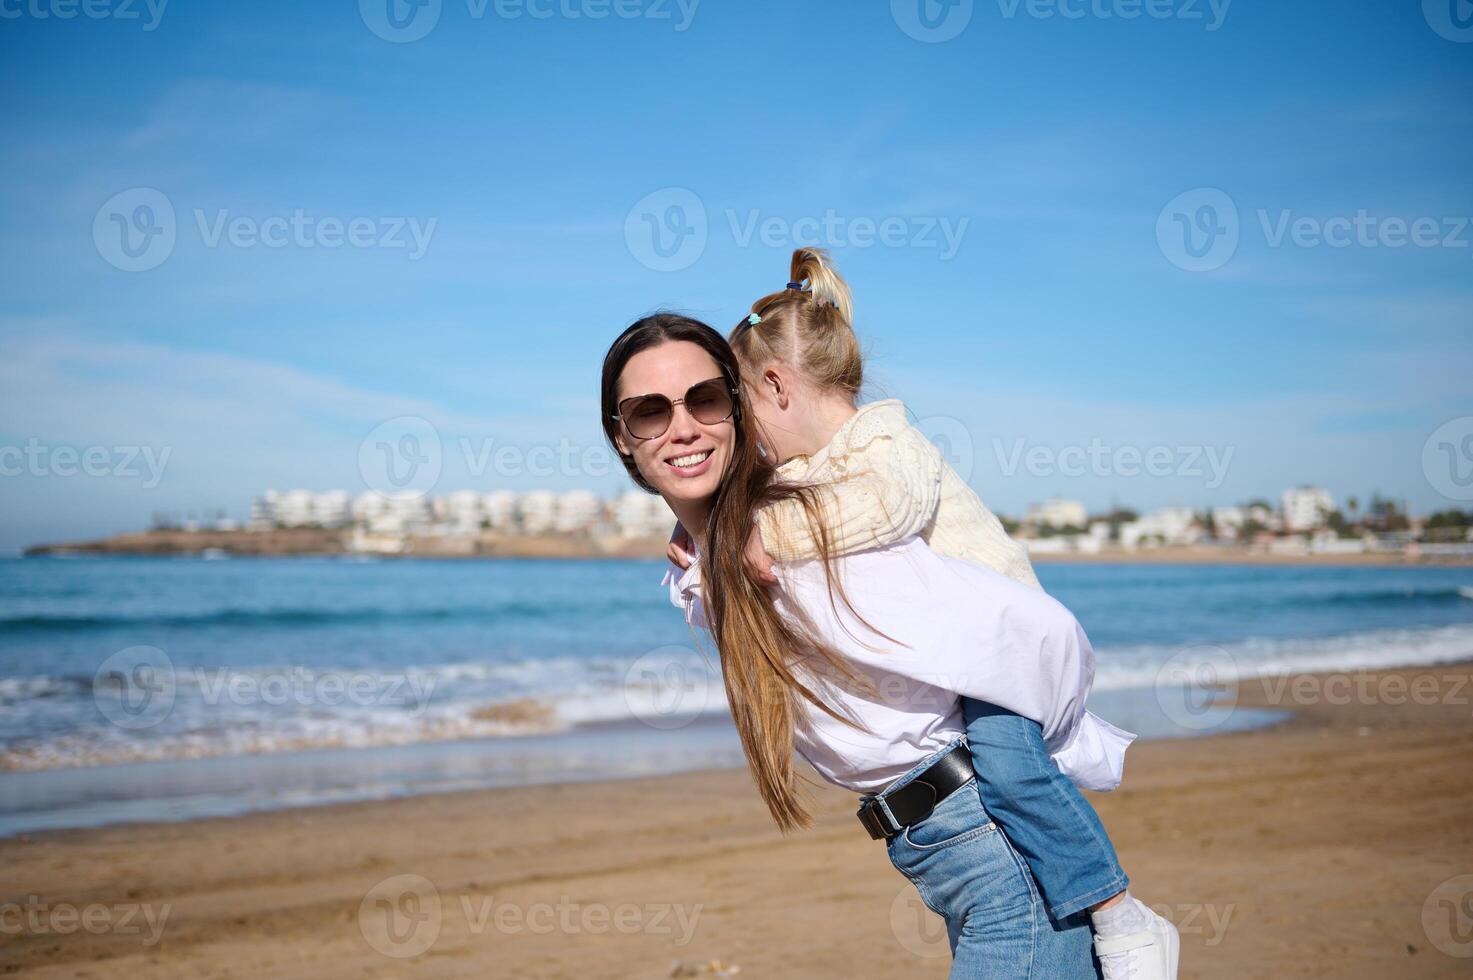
x=968 y=872
x=1043 y=813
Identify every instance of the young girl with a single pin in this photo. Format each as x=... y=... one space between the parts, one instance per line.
x=881 y=480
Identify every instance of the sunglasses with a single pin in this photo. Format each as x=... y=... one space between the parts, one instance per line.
x=649 y=416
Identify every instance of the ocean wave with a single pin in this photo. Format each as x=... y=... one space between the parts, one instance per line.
x=297 y=616
x=1129 y=668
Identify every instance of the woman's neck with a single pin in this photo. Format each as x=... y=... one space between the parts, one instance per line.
x=692 y=515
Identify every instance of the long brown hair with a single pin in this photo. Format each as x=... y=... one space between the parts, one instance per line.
x=759 y=647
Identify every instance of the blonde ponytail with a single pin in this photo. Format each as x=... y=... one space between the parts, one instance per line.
x=814 y=266
x=808 y=326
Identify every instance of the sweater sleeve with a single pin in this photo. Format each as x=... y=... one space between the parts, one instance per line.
x=886 y=487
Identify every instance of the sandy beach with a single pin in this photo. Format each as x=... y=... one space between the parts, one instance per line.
x=1308 y=850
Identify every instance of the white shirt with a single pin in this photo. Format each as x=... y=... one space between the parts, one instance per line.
x=967 y=631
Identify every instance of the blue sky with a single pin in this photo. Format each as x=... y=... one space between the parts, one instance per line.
x=1065 y=148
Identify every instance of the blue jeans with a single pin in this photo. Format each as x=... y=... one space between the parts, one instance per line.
x=1045 y=816
x=967 y=872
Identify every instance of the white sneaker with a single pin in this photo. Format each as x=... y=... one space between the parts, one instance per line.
x=1151 y=954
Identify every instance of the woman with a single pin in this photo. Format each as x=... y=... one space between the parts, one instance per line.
x=880 y=718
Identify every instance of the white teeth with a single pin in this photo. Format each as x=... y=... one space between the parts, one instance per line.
x=690 y=460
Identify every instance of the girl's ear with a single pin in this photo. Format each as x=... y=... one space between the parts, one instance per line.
x=778 y=386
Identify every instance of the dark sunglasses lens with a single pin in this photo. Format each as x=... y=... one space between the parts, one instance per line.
x=647 y=417
x=709 y=402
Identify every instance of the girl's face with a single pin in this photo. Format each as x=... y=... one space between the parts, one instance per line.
x=686 y=462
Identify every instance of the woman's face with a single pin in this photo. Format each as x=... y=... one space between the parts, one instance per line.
x=687 y=461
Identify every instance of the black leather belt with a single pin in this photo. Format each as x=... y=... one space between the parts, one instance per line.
x=889 y=812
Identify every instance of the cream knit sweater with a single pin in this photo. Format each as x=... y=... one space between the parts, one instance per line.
x=882 y=480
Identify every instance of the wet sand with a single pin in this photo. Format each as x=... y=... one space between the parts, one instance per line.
x=1308 y=850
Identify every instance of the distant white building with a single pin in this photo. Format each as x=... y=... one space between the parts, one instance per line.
x=1168 y=526
x=1057 y=513
x=385 y=515
x=299 y=508
x=500 y=508
x=1306 y=508
x=1228 y=521
x=537 y=511
x=577 y=510
x=641 y=515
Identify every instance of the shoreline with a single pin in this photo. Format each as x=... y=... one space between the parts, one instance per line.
x=1359 y=808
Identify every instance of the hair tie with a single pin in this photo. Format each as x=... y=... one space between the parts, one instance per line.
x=796 y=285
x=754 y=319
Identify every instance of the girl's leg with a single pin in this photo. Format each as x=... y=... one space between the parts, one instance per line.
x=968 y=873
x=1045 y=816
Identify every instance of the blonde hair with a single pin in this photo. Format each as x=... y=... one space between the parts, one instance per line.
x=808 y=328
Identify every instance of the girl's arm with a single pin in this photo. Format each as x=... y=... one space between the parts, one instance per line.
x=890 y=488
